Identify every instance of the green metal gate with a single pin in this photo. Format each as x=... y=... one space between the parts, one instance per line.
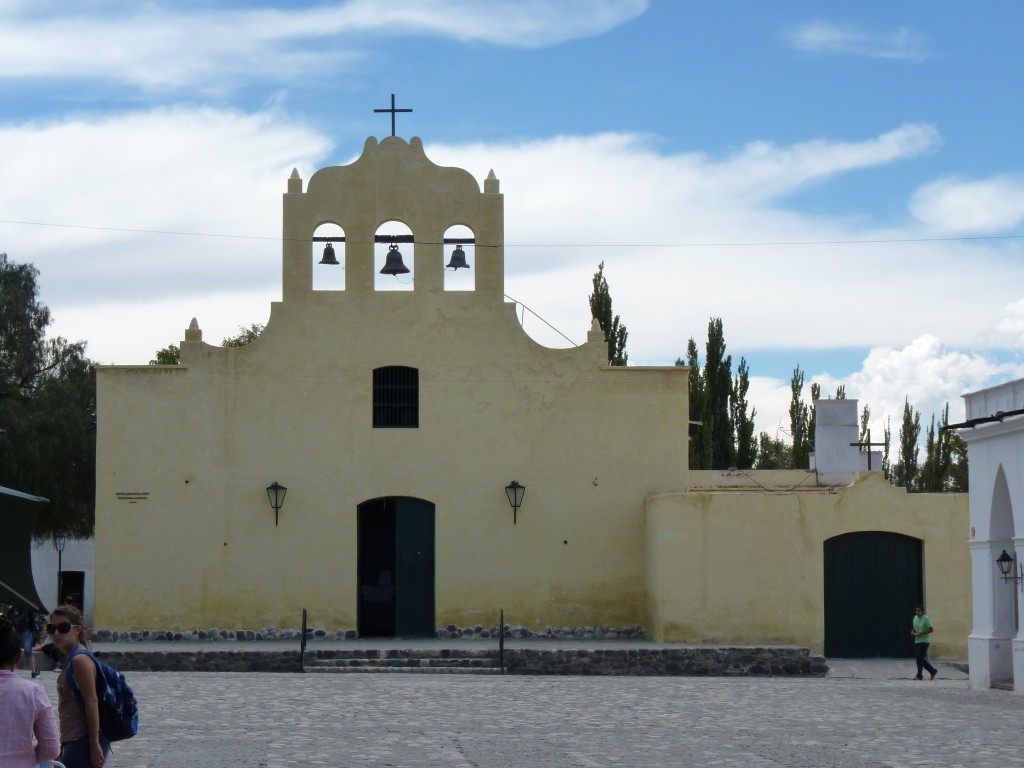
x=873 y=580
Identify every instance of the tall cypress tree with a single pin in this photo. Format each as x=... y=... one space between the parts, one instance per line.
x=712 y=444
x=601 y=308
x=905 y=471
x=742 y=423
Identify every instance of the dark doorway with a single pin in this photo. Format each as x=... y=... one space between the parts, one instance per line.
x=396 y=568
x=873 y=580
x=72 y=589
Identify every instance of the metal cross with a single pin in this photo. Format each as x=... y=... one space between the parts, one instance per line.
x=392 y=111
x=868 y=445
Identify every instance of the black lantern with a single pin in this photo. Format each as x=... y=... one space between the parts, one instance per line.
x=276 y=492
x=1010 y=570
x=515 y=492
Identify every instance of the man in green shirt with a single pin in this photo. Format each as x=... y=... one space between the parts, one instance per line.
x=922 y=633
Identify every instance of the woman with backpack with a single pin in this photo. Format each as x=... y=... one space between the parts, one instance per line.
x=25 y=710
x=83 y=744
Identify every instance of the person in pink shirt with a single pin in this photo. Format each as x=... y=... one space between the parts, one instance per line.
x=25 y=711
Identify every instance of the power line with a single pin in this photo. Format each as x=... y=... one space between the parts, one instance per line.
x=738 y=244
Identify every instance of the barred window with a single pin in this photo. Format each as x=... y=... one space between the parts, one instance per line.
x=396 y=397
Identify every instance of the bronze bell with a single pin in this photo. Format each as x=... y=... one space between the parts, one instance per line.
x=329 y=257
x=394 y=264
x=458 y=259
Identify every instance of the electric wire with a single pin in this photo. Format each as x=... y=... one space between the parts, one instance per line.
x=737 y=244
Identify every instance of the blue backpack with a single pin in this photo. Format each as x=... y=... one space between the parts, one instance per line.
x=119 y=710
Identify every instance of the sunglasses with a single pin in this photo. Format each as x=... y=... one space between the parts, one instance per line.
x=63 y=628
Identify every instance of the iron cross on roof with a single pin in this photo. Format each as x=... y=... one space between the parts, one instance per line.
x=392 y=111
x=868 y=444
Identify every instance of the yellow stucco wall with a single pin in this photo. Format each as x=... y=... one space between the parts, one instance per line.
x=185 y=452
x=747 y=566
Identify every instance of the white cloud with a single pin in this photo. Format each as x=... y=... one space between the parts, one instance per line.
x=984 y=206
x=827 y=37
x=1009 y=329
x=924 y=372
x=168 y=170
x=571 y=202
x=169 y=46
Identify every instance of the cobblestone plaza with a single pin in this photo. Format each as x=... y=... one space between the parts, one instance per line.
x=221 y=720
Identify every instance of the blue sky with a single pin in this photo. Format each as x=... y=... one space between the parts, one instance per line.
x=842 y=183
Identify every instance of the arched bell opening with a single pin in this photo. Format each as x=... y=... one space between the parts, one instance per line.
x=459 y=259
x=394 y=257
x=328 y=255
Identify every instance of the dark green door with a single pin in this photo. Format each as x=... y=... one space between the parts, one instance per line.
x=873 y=580
x=396 y=568
x=414 y=568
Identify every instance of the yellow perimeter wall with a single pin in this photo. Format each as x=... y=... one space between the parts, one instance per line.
x=745 y=566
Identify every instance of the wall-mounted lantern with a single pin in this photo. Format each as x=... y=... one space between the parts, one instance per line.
x=276 y=492
x=1010 y=569
x=515 y=492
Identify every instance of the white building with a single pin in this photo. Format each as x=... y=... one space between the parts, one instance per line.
x=994 y=432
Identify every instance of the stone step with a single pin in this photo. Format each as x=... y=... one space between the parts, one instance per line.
x=463 y=664
x=359 y=669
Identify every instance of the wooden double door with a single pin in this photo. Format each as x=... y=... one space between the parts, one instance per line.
x=873 y=580
x=396 y=567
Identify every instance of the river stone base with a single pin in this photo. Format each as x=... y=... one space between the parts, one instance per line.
x=718 y=661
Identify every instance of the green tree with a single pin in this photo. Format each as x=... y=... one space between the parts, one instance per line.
x=865 y=420
x=958 y=475
x=938 y=457
x=905 y=472
x=169 y=355
x=742 y=423
x=887 y=440
x=799 y=422
x=712 y=442
x=945 y=460
x=47 y=407
x=601 y=308
x=773 y=453
x=695 y=389
x=245 y=335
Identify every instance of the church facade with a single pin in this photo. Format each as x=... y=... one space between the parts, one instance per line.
x=402 y=422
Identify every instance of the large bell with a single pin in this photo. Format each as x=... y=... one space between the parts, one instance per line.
x=458 y=259
x=329 y=257
x=394 y=264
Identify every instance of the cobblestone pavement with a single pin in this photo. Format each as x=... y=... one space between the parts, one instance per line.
x=214 y=720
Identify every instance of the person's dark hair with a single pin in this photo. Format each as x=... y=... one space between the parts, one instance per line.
x=918 y=607
x=10 y=643
x=72 y=614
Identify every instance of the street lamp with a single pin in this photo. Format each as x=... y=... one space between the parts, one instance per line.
x=60 y=540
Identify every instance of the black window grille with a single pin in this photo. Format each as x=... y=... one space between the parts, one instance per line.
x=396 y=397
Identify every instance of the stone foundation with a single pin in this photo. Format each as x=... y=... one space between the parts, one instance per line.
x=709 y=661
x=450 y=632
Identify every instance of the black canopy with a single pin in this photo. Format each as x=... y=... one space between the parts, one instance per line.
x=19 y=513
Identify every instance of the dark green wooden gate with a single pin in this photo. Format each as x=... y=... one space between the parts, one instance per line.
x=873 y=580
x=396 y=568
